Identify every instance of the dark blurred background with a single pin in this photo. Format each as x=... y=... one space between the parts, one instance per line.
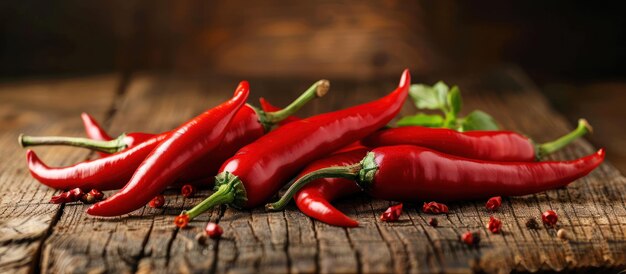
x=573 y=51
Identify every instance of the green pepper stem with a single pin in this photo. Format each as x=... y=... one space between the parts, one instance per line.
x=224 y=195
x=319 y=89
x=349 y=172
x=550 y=147
x=112 y=146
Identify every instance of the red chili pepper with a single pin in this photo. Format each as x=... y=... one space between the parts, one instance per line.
x=184 y=145
x=213 y=230
x=549 y=218
x=485 y=145
x=157 y=202
x=494 y=225
x=392 y=213
x=435 y=208
x=408 y=173
x=113 y=171
x=259 y=170
x=494 y=203
x=314 y=199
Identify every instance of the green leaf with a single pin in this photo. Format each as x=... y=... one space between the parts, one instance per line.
x=421 y=119
x=425 y=97
x=478 y=120
x=441 y=90
x=454 y=100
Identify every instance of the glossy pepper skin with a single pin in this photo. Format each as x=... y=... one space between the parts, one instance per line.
x=181 y=147
x=113 y=171
x=257 y=171
x=314 y=198
x=410 y=173
x=110 y=172
x=502 y=146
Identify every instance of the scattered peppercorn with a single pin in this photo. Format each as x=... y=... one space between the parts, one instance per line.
x=181 y=220
x=494 y=203
x=157 y=202
x=213 y=230
x=562 y=234
x=435 y=208
x=201 y=238
x=471 y=238
x=188 y=190
x=92 y=196
x=531 y=223
x=494 y=225
x=392 y=213
x=549 y=218
x=433 y=222
x=68 y=196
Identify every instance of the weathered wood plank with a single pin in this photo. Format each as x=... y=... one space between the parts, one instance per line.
x=592 y=209
x=50 y=107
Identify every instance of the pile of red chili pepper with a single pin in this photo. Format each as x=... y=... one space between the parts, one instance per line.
x=248 y=154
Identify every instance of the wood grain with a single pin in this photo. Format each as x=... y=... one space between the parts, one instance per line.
x=591 y=209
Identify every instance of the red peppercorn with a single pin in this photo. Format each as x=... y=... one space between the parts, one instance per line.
x=213 y=230
x=494 y=203
x=157 y=202
x=188 y=190
x=181 y=220
x=68 y=196
x=471 y=238
x=97 y=194
x=435 y=208
x=433 y=222
x=392 y=213
x=549 y=218
x=494 y=225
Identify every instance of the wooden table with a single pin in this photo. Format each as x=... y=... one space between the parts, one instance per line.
x=38 y=236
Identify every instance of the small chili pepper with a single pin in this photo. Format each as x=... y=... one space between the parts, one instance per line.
x=187 y=190
x=157 y=202
x=433 y=222
x=68 y=196
x=407 y=173
x=471 y=238
x=314 y=199
x=494 y=225
x=213 y=230
x=392 y=213
x=112 y=172
x=494 y=203
x=549 y=218
x=531 y=223
x=485 y=145
x=435 y=208
x=184 y=145
x=259 y=170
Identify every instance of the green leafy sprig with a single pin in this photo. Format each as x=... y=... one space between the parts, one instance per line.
x=448 y=101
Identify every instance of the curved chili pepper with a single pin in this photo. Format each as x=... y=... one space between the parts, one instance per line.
x=259 y=170
x=409 y=173
x=313 y=199
x=113 y=171
x=181 y=147
x=485 y=145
